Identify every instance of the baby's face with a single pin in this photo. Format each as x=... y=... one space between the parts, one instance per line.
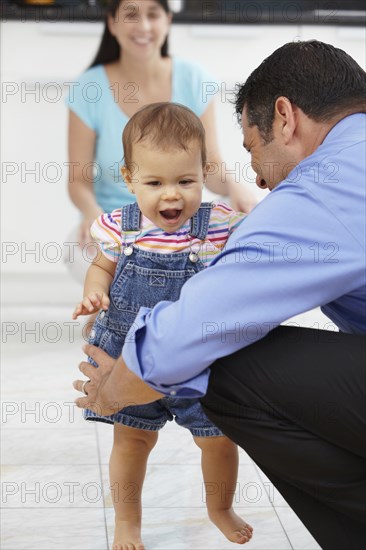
x=167 y=184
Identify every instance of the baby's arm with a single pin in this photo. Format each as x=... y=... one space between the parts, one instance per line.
x=96 y=287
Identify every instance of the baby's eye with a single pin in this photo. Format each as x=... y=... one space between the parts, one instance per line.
x=153 y=183
x=185 y=182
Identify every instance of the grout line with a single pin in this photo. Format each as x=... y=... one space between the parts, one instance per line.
x=189 y=507
x=272 y=505
x=100 y=464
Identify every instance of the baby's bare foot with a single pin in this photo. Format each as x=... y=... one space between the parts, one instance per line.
x=127 y=536
x=231 y=525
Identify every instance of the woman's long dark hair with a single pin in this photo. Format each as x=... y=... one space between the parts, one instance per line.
x=109 y=49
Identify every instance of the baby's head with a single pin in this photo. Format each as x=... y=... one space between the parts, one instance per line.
x=165 y=163
x=164 y=127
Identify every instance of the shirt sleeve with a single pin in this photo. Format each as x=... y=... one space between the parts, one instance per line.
x=85 y=93
x=106 y=231
x=230 y=217
x=276 y=264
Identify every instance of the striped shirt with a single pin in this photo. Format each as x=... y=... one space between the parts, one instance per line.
x=106 y=231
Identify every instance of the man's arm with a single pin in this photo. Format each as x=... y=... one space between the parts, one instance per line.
x=277 y=264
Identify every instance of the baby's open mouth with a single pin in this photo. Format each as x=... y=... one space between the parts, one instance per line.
x=171 y=214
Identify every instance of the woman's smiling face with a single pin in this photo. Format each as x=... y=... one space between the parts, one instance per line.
x=140 y=27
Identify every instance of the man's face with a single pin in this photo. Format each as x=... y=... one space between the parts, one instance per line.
x=269 y=160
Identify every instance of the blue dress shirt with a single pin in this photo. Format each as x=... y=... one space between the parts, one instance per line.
x=303 y=246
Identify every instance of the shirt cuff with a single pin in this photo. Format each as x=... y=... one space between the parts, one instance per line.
x=158 y=377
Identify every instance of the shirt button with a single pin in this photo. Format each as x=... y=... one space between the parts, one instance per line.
x=101 y=316
x=173 y=392
x=92 y=334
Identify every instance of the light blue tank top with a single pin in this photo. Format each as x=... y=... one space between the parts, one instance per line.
x=94 y=100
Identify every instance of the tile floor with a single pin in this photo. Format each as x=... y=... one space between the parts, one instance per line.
x=55 y=492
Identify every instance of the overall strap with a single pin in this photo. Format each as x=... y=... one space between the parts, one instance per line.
x=200 y=221
x=131 y=217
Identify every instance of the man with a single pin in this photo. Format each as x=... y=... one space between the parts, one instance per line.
x=293 y=398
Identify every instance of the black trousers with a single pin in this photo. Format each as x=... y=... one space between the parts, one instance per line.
x=295 y=401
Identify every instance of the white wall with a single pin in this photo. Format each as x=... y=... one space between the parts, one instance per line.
x=36 y=210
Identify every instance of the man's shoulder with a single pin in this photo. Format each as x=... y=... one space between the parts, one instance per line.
x=349 y=131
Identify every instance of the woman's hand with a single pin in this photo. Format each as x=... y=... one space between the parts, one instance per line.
x=241 y=197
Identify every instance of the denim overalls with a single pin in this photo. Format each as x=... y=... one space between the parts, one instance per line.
x=143 y=278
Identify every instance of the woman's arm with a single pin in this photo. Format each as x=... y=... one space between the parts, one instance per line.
x=81 y=154
x=241 y=197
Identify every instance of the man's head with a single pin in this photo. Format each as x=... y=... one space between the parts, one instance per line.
x=301 y=78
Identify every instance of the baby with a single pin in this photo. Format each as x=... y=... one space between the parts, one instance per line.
x=148 y=250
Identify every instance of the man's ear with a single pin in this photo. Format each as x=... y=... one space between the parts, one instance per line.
x=285 y=117
x=126 y=174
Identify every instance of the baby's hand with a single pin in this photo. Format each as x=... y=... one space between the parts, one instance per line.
x=91 y=303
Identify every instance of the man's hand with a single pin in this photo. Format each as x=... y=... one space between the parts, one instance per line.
x=112 y=386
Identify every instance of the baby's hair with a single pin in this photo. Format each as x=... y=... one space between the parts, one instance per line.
x=165 y=126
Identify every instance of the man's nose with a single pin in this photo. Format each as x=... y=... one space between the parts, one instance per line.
x=261 y=183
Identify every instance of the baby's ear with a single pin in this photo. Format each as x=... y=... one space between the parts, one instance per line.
x=206 y=171
x=126 y=174
x=210 y=168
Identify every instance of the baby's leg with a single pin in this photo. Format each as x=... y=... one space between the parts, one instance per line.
x=220 y=471
x=127 y=468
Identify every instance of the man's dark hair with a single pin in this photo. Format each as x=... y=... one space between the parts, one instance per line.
x=323 y=81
